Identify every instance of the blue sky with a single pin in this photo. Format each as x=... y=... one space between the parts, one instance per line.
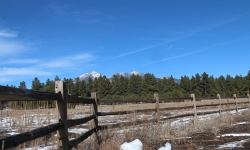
x=68 y=38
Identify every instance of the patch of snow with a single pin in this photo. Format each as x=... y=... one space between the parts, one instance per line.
x=179 y=122
x=41 y=148
x=242 y=123
x=77 y=130
x=95 y=74
x=134 y=72
x=13 y=133
x=232 y=144
x=232 y=134
x=121 y=74
x=167 y=147
x=134 y=145
x=239 y=111
x=87 y=75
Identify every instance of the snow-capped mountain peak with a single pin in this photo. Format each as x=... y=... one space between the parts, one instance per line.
x=135 y=73
x=164 y=77
x=95 y=74
x=91 y=74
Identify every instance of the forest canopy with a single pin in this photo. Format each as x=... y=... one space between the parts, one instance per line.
x=202 y=85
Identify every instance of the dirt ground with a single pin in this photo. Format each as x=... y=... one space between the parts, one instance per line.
x=208 y=140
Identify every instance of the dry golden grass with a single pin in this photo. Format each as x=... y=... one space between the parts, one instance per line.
x=149 y=133
x=152 y=135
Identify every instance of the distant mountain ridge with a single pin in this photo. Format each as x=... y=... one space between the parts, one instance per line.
x=127 y=75
x=94 y=75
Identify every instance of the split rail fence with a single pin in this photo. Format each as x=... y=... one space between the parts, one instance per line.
x=14 y=94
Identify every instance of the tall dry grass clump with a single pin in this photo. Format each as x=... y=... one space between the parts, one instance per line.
x=154 y=136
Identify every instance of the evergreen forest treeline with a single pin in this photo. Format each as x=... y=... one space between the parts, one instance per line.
x=203 y=85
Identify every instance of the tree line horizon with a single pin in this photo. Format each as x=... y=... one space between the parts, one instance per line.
x=120 y=87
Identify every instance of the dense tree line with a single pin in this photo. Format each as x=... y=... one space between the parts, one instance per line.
x=203 y=85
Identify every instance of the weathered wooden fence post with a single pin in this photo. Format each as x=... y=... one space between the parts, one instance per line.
x=60 y=87
x=157 y=109
x=236 y=106
x=218 y=95
x=95 y=111
x=194 y=110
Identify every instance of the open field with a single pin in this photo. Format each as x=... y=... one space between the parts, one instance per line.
x=179 y=132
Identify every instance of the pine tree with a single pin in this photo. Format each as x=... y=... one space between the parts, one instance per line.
x=76 y=87
x=49 y=86
x=57 y=78
x=134 y=85
x=247 y=79
x=239 y=85
x=185 y=84
x=221 y=81
x=229 y=86
x=89 y=87
x=82 y=89
x=22 y=85
x=95 y=84
x=36 y=85
x=124 y=86
x=214 y=87
x=149 y=85
x=104 y=87
x=70 y=86
x=205 y=84
x=115 y=83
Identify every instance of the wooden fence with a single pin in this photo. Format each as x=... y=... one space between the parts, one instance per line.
x=14 y=94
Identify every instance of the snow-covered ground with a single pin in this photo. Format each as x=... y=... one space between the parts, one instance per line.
x=234 y=144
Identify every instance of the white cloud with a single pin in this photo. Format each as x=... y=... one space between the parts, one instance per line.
x=36 y=67
x=10 y=47
x=4 y=80
x=70 y=61
x=4 y=72
x=21 y=61
x=8 y=34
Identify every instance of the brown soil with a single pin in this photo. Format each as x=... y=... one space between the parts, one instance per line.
x=208 y=140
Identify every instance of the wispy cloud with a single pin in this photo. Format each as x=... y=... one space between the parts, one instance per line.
x=8 y=34
x=65 y=12
x=4 y=80
x=139 y=50
x=9 y=44
x=11 y=47
x=211 y=26
x=67 y=62
x=70 y=61
x=20 y=61
x=22 y=71
x=197 y=51
x=185 y=34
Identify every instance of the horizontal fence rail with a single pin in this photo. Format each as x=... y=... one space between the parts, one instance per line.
x=15 y=140
x=15 y=94
x=100 y=101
